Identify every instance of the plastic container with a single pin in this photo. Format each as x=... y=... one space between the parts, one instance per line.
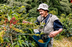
x=36 y=38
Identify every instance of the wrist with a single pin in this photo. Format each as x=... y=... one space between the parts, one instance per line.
x=60 y=30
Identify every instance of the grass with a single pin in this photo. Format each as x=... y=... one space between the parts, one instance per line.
x=65 y=42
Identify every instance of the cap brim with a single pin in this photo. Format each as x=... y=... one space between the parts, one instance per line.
x=43 y=9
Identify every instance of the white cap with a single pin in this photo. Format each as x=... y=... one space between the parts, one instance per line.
x=43 y=6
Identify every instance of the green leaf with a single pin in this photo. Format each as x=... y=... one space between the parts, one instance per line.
x=16 y=45
x=27 y=44
x=10 y=11
x=9 y=17
x=16 y=16
x=19 y=37
x=7 y=40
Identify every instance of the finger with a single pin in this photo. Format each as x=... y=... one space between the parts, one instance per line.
x=51 y=35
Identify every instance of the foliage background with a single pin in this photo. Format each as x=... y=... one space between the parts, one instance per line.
x=27 y=10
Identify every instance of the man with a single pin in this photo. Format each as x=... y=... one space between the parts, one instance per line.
x=52 y=25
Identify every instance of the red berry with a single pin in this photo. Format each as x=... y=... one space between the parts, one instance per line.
x=13 y=18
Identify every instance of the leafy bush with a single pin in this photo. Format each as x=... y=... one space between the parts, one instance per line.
x=12 y=31
x=15 y=33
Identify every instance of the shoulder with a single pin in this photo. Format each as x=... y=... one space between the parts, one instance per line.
x=40 y=18
x=54 y=17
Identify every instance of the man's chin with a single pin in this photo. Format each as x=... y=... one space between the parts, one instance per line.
x=42 y=15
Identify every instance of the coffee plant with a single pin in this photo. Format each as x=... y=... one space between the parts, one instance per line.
x=15 y=31
x=17 y=20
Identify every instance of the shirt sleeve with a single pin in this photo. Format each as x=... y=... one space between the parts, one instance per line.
x=57 y=25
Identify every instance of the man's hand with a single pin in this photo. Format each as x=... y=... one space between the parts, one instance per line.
x=54 y=33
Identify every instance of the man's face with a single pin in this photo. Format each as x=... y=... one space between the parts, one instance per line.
x=42 y=12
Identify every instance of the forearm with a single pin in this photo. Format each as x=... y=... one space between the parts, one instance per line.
x=60 y=30
x=54 y=33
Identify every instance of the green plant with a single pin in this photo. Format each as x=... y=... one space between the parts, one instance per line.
x=12 y=31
